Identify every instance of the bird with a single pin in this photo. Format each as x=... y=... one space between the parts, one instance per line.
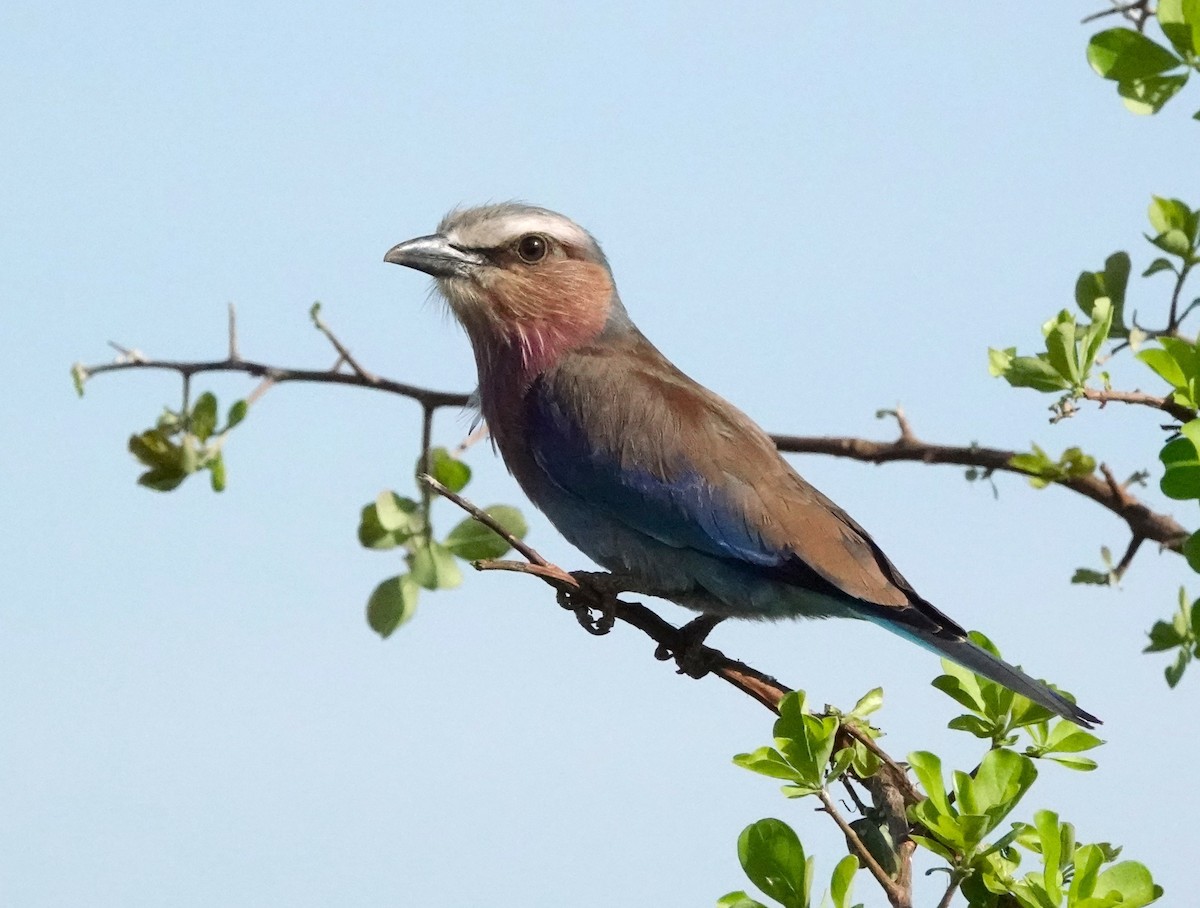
x=643 y=469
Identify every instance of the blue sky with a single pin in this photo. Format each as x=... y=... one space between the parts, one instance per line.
x=816 y=210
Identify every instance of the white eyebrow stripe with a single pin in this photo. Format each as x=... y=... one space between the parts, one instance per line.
x=494 y=232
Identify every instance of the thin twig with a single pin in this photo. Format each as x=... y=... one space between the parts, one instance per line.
x=315 y=313
x=858 y=801
x=948 y=896
x=1135 y=543
x=1123 y=9
x=234 y=355
x=1173 y=319
x=486 y=519
x=1114 y=486
x=906 y=433
x=911 y=795
x=551 y=573
x=896 y=895
x=423 y=466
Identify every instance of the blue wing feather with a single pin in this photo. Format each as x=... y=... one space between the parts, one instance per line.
x=683 y=511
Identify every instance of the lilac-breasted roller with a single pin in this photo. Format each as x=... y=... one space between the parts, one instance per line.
x=646 y=471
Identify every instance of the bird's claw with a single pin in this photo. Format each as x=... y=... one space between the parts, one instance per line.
x=583 y=604
x=691 y=656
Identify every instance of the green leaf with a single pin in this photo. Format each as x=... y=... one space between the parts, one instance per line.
x=961 y=685
x=807 y=745
x=1080 y=764
x=1158 y=265
x=1122 y=54
x=204 y=416
x=1180 y=22
x=738 y=900
x=767 y=761
x=1060 y=346
x=1025 y=371
x=78 y=377
x=976 y=725
x=1147 y=95
x=155 y=449
x=396 y=514
x=389 y=521
x=1109 y=284
x=1174 y=671
x=1088 y=859
x=472 y=541
x=1173 y=241
x=1191 y=551
x=928 y=769
x=868 y=703
x=166 y=479
x=843 y=877
x=392 y=603
x=1069 y=738
x=1164 y=365
x=1132 y=881
x=190 y=459
x=237 y=412
x=1088 y=576
x=1000 y=782
x=1096 y=333
x=434 y=568
x=774 y=860
x=448 y=470
x=1168 y=214
x=216 y=468
x=842 y=761
x=1181 y=479
x=1164 y=636
x=935 y=846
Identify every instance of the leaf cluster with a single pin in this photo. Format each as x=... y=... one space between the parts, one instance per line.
x=1072 y=351
x=960 y=822
x=393 y=521
x=1148 y=74
x=1179 y=634
x=185 y=441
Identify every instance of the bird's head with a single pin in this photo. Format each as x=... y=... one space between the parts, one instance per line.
x=527 y=284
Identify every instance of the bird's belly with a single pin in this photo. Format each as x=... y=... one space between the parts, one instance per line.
x=690 y=578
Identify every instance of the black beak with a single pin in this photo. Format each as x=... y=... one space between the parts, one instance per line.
x=434 y=255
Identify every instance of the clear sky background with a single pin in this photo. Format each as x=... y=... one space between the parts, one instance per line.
x=817 y=210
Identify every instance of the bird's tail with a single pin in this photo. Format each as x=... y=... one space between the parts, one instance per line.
x=959 y=649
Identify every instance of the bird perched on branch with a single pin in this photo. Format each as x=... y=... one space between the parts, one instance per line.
x=646 y=471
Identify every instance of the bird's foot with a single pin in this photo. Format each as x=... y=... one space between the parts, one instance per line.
x=691 y=656
x=593 y=611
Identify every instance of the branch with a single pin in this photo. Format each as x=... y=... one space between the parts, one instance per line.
x=1143 y=522
x=1166 y=404
x=281 y=374
x=899 y=896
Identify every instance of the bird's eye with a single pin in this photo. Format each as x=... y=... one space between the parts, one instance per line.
x=532 y=248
